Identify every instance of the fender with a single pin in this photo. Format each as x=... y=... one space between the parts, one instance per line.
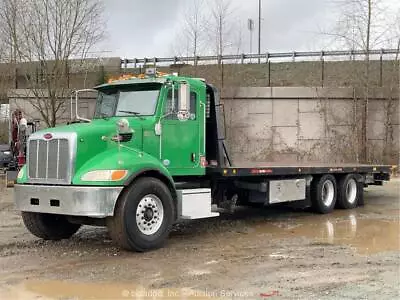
x=145 y=171
x=156 y=173
x=136 y=162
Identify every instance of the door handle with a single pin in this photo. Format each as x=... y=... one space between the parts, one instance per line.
x=193 y=157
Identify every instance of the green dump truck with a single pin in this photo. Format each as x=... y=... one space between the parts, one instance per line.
x=154 y=154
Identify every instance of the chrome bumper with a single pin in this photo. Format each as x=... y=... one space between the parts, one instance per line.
x=96 y=202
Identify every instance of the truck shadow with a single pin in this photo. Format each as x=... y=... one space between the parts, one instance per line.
x=242 y=217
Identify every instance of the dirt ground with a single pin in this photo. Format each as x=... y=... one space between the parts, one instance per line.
x=254 y=254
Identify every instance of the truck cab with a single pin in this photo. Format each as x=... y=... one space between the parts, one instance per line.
x=145 y=129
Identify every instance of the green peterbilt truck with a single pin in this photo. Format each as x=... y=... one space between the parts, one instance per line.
x=155 y=154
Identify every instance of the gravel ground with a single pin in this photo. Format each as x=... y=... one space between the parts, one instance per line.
x=274 y=253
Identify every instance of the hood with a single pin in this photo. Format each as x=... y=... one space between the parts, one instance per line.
x=96 y=137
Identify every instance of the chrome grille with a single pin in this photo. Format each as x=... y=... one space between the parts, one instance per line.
x=51 y=161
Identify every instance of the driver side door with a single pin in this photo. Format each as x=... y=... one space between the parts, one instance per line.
x=180 y=141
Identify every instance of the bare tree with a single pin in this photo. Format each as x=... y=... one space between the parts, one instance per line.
x=209 y=26
x=194 y=26
x=362 y=25
x=44 y=35
x=221 y=27
x=191 y=37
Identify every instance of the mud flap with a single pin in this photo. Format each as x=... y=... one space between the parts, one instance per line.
x=360 y=190
x=360 y=187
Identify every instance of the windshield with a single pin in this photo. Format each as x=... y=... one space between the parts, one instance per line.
x=122 y=101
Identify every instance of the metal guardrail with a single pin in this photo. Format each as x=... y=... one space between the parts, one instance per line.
x=241 y=58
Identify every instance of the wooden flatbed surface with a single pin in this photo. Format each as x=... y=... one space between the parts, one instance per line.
x=274 y=168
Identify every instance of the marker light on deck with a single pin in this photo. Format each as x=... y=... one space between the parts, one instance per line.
x=151 y=71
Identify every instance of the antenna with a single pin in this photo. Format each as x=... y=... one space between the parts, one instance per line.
x=259 y=30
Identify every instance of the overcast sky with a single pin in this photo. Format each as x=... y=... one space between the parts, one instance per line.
x=148 y=28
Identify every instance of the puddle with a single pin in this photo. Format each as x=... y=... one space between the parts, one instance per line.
x=45 y=290
x=365 y=235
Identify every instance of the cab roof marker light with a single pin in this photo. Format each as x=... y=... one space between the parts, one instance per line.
x=151 y=71
x=123 y=77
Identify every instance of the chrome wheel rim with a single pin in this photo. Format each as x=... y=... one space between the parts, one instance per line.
x=328 y=193
x=351 y=191
x=149 y=214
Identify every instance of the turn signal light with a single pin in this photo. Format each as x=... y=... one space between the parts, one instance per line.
x=105 y=175
x=117 y=175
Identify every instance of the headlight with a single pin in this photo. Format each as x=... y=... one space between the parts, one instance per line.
x=104 y=175
x=7 y=152
x=20 y=173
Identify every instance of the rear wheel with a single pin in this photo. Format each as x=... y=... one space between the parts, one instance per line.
x=323 y=194
x=348 y=192
x=143 y=217
x=49 y=226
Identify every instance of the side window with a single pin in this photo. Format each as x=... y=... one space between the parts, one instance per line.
x=171 y=107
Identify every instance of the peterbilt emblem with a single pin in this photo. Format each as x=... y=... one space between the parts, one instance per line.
x=48 y=136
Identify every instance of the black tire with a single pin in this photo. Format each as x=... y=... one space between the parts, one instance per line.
x=348 y=192
x=321 y=202
x=49 y=226
x=123 y=227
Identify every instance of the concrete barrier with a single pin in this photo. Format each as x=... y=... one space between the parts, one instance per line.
x=3 y=181
x=11 y=176
x=395 y=171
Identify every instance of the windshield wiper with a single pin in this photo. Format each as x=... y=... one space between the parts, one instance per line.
x=129 y=112
x=136 y=114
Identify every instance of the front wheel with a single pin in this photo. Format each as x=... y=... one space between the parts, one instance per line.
x=143 y=216
x=49 y=226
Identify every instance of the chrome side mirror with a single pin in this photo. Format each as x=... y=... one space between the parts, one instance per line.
x=123 y=126
x=183 y=101
x=158 y=129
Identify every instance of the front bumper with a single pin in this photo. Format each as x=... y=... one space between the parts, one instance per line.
x=96 y=202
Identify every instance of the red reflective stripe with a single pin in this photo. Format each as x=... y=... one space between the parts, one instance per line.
x=261 y=171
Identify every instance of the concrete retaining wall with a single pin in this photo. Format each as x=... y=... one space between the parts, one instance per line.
x=309 y=124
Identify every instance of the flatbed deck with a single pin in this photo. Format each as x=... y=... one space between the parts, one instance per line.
x=280 y=169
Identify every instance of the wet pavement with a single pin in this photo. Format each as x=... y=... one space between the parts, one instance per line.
x=273 y=253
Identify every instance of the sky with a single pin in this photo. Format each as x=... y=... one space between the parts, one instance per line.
x=151 y=28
